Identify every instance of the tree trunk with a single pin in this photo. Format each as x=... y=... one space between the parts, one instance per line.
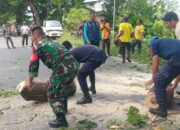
x=39 y=91
x=35 y=12
x=150 y=99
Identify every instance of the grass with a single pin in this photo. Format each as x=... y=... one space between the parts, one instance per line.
x=143 y=58
x=77 y=41
x=117 y=123
x=82 y=125
x=86 y=124
x=135 y=85
x=135 y=118
x=6 y=94
x=1 y=113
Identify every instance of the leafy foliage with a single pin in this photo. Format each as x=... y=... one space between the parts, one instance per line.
x=12 y=10
x=135 y=118
x=148 y=10
x=86 y=124
x=82 y=125
x=75 y=17
x=160 y=30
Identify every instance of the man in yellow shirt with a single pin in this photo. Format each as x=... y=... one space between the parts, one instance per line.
x=125 y=32
x=139 y=34
x=105 y=30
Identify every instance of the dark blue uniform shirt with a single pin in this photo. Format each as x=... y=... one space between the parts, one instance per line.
x=166 y=48
x=88 y=53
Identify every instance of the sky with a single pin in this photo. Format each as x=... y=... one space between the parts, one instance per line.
x=178 y=12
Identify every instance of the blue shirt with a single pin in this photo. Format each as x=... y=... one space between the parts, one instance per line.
x=166 y=48
x=87 y=53
x=92 y=32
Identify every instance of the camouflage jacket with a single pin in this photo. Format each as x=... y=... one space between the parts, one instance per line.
x=55 y=57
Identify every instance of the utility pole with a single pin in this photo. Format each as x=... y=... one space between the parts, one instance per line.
x=114 y=15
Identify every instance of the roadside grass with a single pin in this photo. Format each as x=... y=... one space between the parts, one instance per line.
x=1 y=113
x=82 y=125
x=5 y=94
x=77 y=41
x=143 y=58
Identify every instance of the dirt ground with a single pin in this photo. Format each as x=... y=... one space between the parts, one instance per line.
x=119 y=86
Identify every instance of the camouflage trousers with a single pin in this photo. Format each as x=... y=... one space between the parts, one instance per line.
x=57 y=91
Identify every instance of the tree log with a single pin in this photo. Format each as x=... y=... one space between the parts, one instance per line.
x=39 y=91
x=150 y=98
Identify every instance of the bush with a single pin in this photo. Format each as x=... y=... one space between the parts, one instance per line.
x=160 y=30
x=135 y=118
x=75 y=17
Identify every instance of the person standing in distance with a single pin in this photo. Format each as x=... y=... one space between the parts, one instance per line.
x=92 y=31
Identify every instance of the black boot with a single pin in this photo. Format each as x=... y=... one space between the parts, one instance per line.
x=65 y=106
x=59 y=122
x=123 y=61
x=161 y=111
x=85 y=99
x=92 y=89
x=128 y=60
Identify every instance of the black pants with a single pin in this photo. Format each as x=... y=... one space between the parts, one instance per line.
x=106 y=42
x=163 y=78
x=25 y=38
x=88 y=69
x=7 y=42
x=122 y=51
x=95 y=43
x=137 y=43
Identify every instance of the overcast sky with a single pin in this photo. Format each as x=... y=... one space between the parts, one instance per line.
x=178 y=12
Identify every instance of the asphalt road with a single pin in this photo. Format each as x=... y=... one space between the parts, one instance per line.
x=14 y=64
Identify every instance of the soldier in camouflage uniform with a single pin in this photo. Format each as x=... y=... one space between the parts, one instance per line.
x=64 y=68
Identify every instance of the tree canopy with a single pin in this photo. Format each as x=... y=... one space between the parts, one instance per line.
x=71 y=12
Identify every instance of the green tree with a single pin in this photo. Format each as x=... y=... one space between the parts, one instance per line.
x=160 y=30
x=12 y=10
x=75 y=17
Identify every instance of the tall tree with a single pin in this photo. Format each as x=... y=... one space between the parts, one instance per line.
x=34 y=11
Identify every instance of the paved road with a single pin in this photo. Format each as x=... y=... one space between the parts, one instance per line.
x=14 y=64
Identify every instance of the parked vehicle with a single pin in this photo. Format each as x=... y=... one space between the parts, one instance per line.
x=52 y=28
x=1 y=31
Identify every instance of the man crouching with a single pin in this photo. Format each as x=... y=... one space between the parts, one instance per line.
x=92 y=57
x=64 y=69
x=168 y=49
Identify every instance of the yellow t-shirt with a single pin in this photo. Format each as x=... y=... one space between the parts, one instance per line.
x=105 y=30
x=127 y=30
x=139 y=30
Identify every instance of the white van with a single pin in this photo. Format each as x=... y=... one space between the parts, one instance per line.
x=52 y=28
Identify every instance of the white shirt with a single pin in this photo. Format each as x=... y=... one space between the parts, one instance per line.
x=24 y=29
x=177 y=30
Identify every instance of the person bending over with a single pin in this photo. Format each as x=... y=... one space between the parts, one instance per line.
x=92 y=57
x=161 y=48
x=64 y=69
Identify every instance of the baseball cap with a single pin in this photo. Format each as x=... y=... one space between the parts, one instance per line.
x=152 y=40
